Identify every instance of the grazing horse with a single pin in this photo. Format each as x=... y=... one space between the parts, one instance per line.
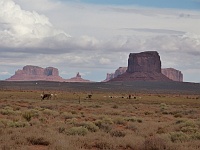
x=48 y=96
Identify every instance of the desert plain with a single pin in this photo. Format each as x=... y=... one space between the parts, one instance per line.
x=116 y=116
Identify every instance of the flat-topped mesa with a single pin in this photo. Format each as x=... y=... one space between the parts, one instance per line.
x=144 y=62
x=144 y=66
x=35 y=73
x=173 y=74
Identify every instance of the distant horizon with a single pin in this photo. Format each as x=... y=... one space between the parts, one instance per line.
x=29 y=65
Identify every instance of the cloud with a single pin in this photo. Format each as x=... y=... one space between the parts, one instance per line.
x=24 y=28
x=159 y=31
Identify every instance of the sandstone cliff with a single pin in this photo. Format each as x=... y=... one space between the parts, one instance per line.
x=144 y=66
x=118 y=72
x=109 y=76
x=35 y=73
x=173 y=74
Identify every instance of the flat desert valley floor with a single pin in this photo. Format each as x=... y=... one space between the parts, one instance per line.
x=152 y=119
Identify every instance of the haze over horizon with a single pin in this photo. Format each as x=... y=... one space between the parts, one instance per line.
x=95 y=37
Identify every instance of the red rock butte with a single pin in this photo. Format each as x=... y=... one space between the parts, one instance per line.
x=144 y=66
x=35 y=73
x=77 y=79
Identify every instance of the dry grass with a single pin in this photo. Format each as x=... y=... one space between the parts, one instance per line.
x=145 y=122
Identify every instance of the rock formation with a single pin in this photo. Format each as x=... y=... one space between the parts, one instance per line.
x=77 y=79
x=35 y=73
x=144 y=62
x=109 y=76
x=173 y=74
x=118 y=72
x=144 y=66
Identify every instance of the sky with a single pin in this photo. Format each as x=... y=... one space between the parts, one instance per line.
x=95 y=37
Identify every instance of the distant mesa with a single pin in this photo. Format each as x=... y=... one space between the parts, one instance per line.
x=144 y=66
x=118 y=72
x=173 y=74
x=35 y=73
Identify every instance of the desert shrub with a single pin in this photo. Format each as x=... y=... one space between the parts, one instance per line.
x=155 y=143
x=131 y=119
x=90 y=126
x=148 y=113
x=7 y=112
x=188 y=127
x=103 y=145
x=18 y=124
x=131 y=126
x=196 y=136
x=117 y=133
x=104 y=125
x=51 y=112
x=77 y=131
x=67 y=115
x=180 y=121
x=61 y=129
x=179 y=137
x=27 y=116
x=95 y=106
x=34 y=122
x=35 y=113
x=5 y=122
x=139 y=120
x=163 y=106
x=43 y=120
x=115 y=106
x=38 y=141
x=119 y=121
x=161 y=130
x=178 y=115
x=74 y=112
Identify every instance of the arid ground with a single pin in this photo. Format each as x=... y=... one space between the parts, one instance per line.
x=158 y=116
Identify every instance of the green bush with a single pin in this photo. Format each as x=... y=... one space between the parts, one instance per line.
x=119 y=121
x=51 y=112
x=77 y=131
x=90 y=126
x=27 y=116
x=179 y=137
x=196 y=136
x=18 y=124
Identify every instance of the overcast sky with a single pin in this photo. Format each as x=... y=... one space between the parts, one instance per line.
x=95 y=37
